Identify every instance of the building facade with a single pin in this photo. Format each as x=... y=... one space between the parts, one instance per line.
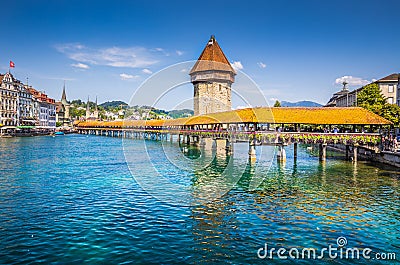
x=212 y=77
x=22 y=105
x=25 y=106
x=398 y=91
x=92 y=115
x=8 y=101
x=388 y=85
x=45 y=109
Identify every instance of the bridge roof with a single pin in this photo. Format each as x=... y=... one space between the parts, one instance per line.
x=317 y=116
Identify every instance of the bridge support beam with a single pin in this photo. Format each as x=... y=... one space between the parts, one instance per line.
x=195 y=140
x=355 y=151
x=322 y=152
x=252 y=153
x=229 y=146
x=281 y=156
x=207 y=143
x=221 y=145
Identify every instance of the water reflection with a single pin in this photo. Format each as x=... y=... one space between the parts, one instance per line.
x=81 y=205
x=303 y=203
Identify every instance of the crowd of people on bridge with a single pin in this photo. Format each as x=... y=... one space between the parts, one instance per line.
x=390 y=143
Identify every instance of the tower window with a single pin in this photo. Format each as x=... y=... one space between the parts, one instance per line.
x=220 y=88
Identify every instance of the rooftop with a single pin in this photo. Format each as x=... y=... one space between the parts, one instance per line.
x=285 y=115
x=390 y=78
x=212 y=58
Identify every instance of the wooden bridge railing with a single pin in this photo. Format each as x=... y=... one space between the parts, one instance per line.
x=262 y=137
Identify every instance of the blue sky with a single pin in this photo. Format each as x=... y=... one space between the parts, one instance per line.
x=293 y=50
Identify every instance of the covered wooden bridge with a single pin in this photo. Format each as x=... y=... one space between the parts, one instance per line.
x=351 y=126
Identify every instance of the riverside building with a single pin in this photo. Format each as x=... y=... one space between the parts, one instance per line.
x=22 y=106
x=388 y=85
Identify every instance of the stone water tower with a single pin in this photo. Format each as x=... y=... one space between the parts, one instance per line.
x=212 y=77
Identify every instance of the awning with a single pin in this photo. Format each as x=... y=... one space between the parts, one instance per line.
x=25 y=127
x=31 y=121
x=8 y=127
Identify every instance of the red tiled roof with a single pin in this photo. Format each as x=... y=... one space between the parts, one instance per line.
x=212 y=58
x=389 y=78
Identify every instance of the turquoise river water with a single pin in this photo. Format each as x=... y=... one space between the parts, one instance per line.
x=80 y=200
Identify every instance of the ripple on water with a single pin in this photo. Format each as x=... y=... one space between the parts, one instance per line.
x=78 y=203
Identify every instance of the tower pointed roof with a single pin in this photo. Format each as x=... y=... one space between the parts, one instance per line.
x=212 y=58
x=87 y=105
x=64 y=95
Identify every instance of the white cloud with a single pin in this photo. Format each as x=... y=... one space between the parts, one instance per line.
x=352 y=81
x=147 y=71
x=80 y=65
x=131 y=57
x=184 y=70
x=128 y=76
x=261 y=64
x=237 y=65
x=179 y=52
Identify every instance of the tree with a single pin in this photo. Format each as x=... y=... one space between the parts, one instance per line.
x=391 y=112
x=277 y=104
x=76 y=113
x=372 y=99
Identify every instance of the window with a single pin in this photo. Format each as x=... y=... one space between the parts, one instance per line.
x=390 y=100
x=391 y=89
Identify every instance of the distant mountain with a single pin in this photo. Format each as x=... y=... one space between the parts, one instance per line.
x=303 y=103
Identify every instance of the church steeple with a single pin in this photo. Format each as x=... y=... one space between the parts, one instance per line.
x=88 y=108
x=96 y=111
x=64 y=95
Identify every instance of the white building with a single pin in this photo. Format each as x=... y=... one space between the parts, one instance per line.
x=45 y=109
x=8 y=101
x=387 y=85
x=25 y=105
